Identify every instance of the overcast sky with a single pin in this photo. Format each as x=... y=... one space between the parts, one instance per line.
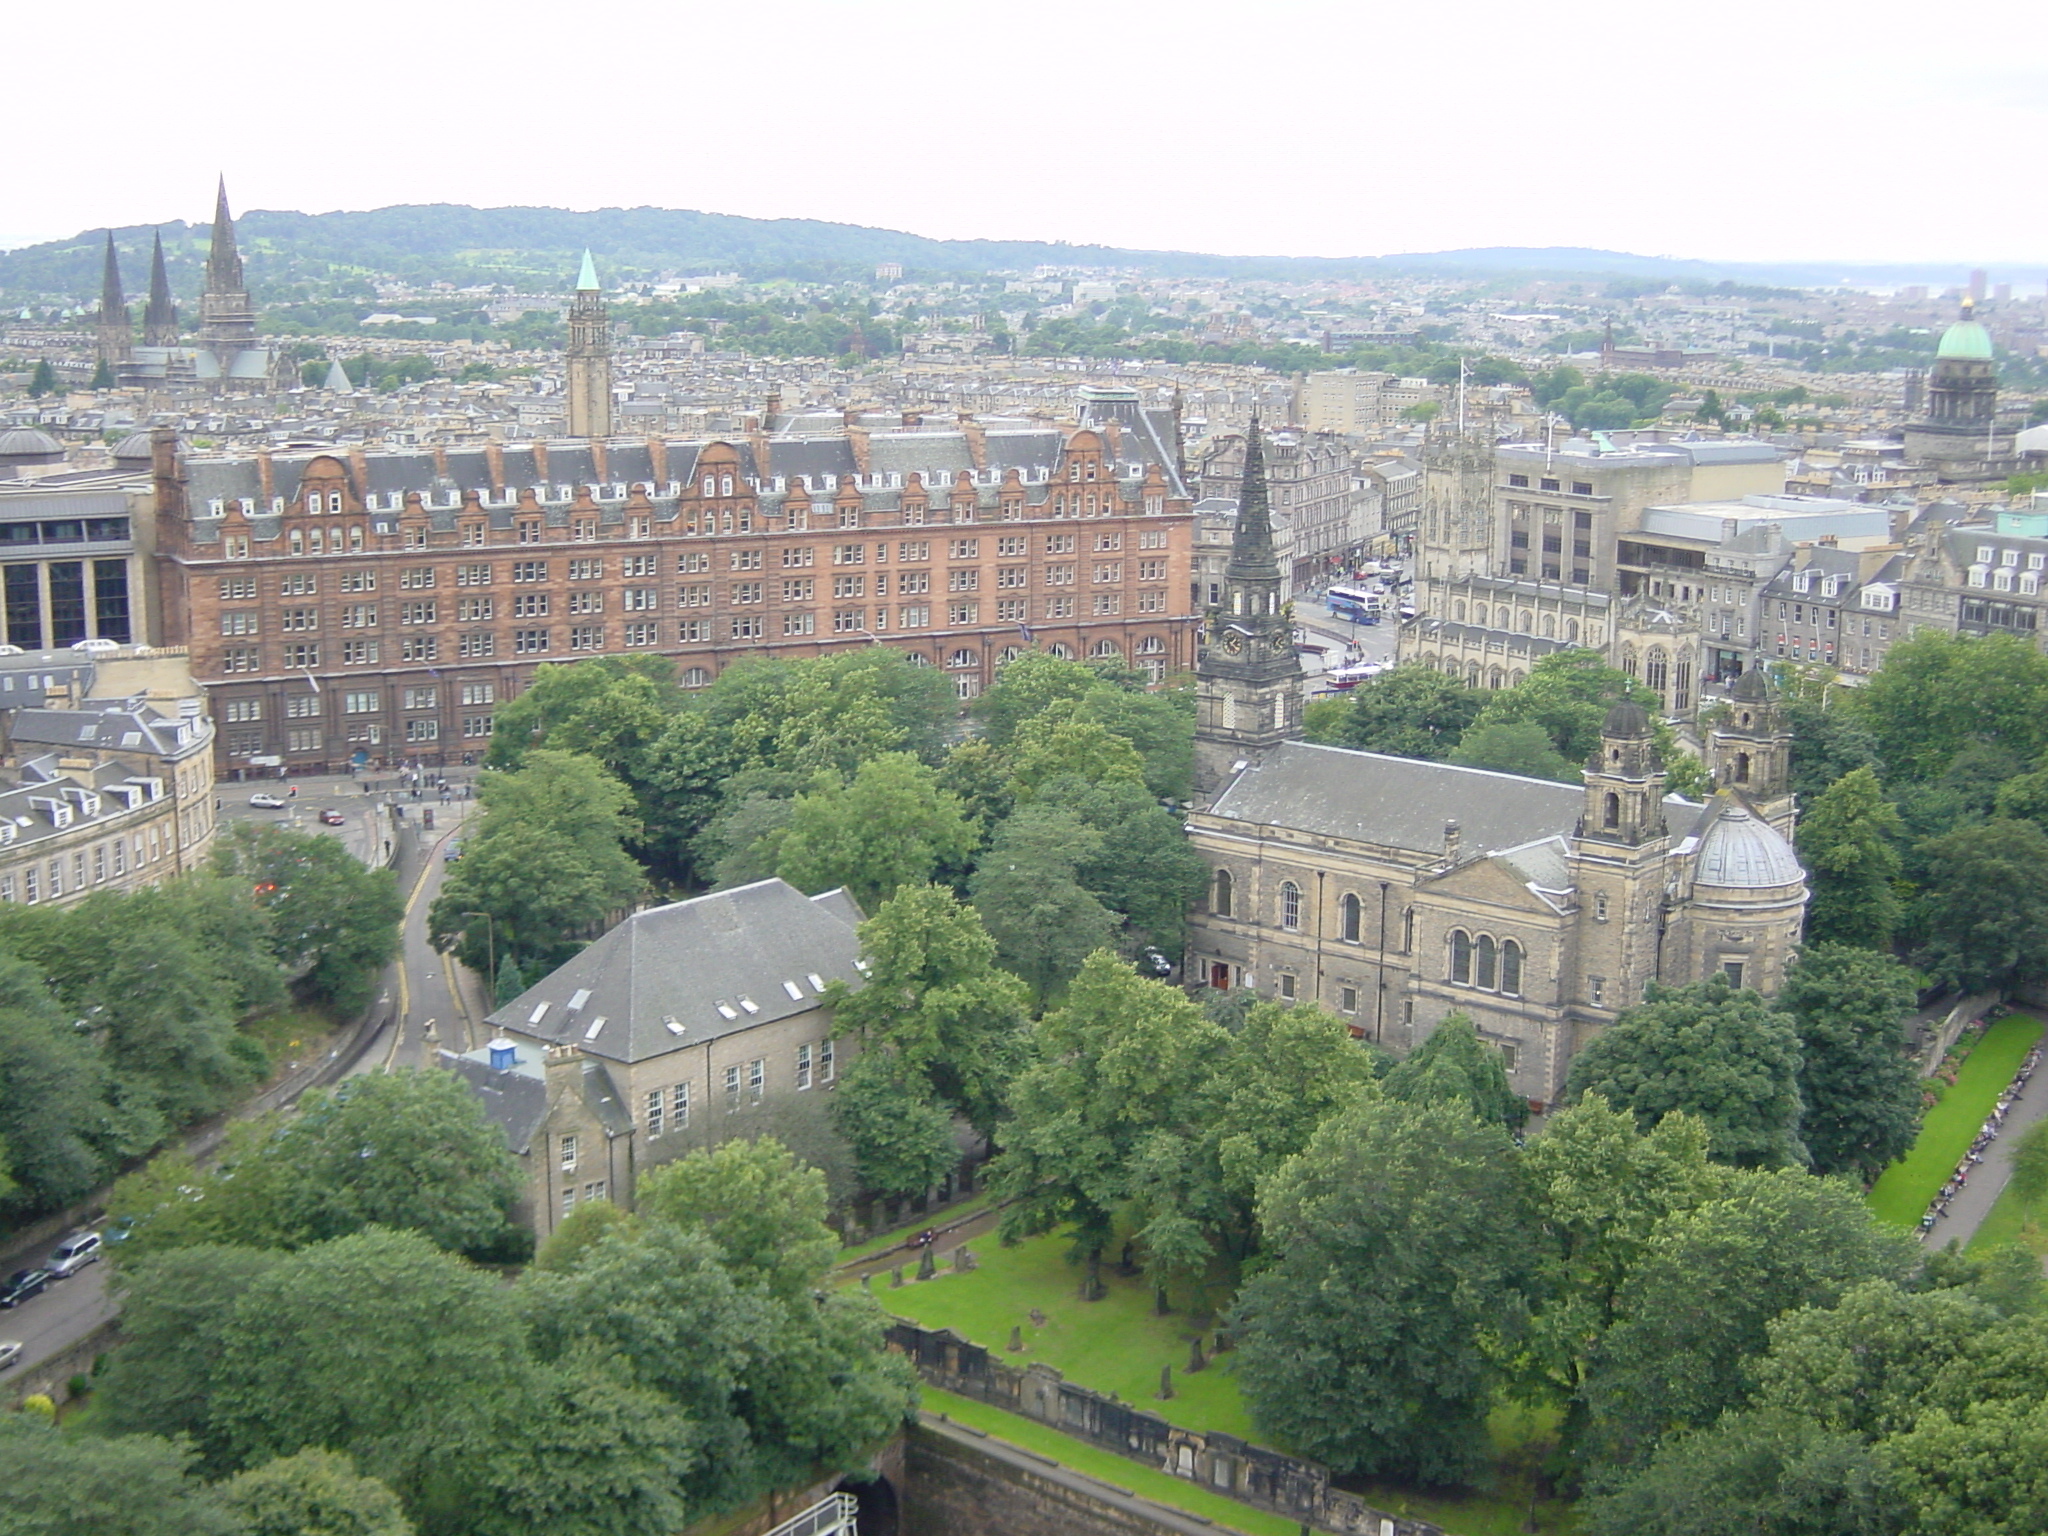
x=1741 y=129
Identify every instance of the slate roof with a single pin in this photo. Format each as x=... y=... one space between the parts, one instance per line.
x=512 y=1101
x=693 y=971
x=1402 y=802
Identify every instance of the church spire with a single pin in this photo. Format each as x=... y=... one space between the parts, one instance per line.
x=227 y=319
x=160 y=317
x=223 y=261
x=115 y=331
x=1252 y=557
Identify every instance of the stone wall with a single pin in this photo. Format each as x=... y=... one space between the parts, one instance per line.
x=961 y=1481
x=52 y=1374
x=1288 y=1485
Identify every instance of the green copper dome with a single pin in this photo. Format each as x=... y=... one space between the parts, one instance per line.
x=1966 y=339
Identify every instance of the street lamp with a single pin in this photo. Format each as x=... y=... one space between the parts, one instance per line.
x=491 y=943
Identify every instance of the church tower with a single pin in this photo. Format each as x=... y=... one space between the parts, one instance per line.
x=116 y=330
x=160 y=317
x=227 y=320
x=1751 y=751
x=1248 y=682
x=1618 y=862
x=590 y=358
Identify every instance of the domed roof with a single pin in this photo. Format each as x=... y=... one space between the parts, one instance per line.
x=135 y=446
x=1753 y=686
x=1628 y=720
x=1965 y=339
x=1744 y=854
x=29 y=443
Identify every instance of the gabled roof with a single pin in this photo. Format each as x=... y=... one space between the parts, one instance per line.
x=693 y=971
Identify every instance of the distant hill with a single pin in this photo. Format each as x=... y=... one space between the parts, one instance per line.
x=538 y=248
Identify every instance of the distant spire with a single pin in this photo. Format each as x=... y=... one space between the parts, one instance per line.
x=112 y=301
x=1251 y=550
x=223 y=262
x=160 y=318
x=586 y=280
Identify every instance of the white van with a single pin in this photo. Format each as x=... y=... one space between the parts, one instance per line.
x=73 y=1254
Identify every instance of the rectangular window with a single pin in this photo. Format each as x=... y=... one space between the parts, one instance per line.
x=586 y=637
x=641 y=599
x=642 y=632
x=362 y=615
x=590 y=602
x=1109 y=603
x=963 y=581
x=826 y=1069
x=679 y=1106
x=916 y=616
x=747 y=627
x=417 y=613
x=1059 y=575
x=530 y=605
x=298 y=620
x=301 y=658
x=914 y=549
x=475 y=726
x=414 y=578
x=568 y=1150
x=690 y=563
x=593 y=570
x=1012 y=610
x=966 y=549
x=797 y=558
x=1108 y=541
x=1347 y=999
x=746 y=592
x=799 y=623
x=732 y=1088
x=757 y=1079
x=1151 y=602
x=1059 y=607
x=797 y=589
x=428 y=729
x=419 y=648
x=568 y=1199
x=847 y=621
x=529 y=570
x=529 y=642
x=1059 y=543
x=849 y=586
x=742 y=560
x=1151 y=570
x=1011 y=546
x=693 y=631
x=362 y=703
x=803 y=1066
x=472 y=575
x=694 y=595
x=242 y=710
x=302 y=741
x=237 y=587
x=359 y=653
x=238 y=622
x=296 y=584
x=657 y=1106
x=849 y=554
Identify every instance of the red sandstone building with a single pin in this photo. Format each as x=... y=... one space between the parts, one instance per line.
x=354 y=606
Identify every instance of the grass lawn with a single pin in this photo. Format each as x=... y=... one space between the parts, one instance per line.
x=290 y=1034
x=2013 y=1220
x=939 y=1216
x=1901 y=1195
x=1118 y=1345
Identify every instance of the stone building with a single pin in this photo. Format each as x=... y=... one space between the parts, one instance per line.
x=1395 y=892
x=355 y=606
x=76 y=559
x=106 y=773
x=589 y=382
x=1315 y=506
x=667 y=1032
x=1962 y=437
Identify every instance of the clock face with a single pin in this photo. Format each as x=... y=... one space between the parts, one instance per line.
x=1281 y=644
x=1233 y=642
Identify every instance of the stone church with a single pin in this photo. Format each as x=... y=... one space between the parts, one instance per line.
x=1395 y=892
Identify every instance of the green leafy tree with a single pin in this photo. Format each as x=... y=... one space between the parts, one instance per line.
x=1982 y=917
x=1600 y=1188
x=1026 y=687
x=1412 y=711
x=1159 y=725
x=1122 y=1074
x=1700 y=1301
x=1937 y=692
x=1978 y=1471
x=314 y=1493
x=610 y=708
x=1710 y=1050
x=42 y=379
x=580 y=1231
x=511 y=980
x=684 y=775
x=1568 y=694
x=1028 y=892
x=1859 y=1085
x=901 y=1135
x=1145 y=871
x=1397 y=1241
x=1848 y=843
x=61 y=1484
x=60 y=1114
x=547 y=863
x=1060 y=745
x=1522 y=747
x=891 y=826
x=936 y=999
x=333 y=922
x=1454 y=1066
x=763 y=1209
x=1751 y=1472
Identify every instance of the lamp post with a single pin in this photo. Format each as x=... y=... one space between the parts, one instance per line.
x=491 y=944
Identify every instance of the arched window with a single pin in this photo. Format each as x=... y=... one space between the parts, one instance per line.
x=1483 y=973
x=1290 y=906
x=1525 y=622
x=1511 y=968
x=1549 y=626
x=1571 y=631
x=1612 y=816
x=1479 y=614
x=1657 y=670
x=1221 y=905
x=1742 y=767
x=1461 y=955
x=1350 y=916
x=1458 y=612
x=696 y=677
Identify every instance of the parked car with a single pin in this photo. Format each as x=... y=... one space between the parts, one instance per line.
x=332 y=818
x=73 y=1254
x=10 y=1353
x=266 y=802
x=453 y=851
x=22 y=1284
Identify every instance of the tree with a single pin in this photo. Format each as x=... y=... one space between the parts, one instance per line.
x=1752 y=1472
x=1848 y=843
x=1568 y=694
x=1159 y=725
x=763 y=1209
x=1982 y=919
x=333 y=922
x=1724 y=1055
x=1061 y=745
x=1859 y=1085
x=1600 y=1188
x=1976 y=1471
x=548 y=864
x=1122 y=1076
x=891 y=826
x=1396 y=1240
x=609 y=708
x=901 y=1135
x=60 y=1118
x=1412 y=711
x=1026 y=686
x=42 y=379
x=1700 y=1301
x=314 y=1493
x=1145 y=870
x=1522 y=747
x=61 y=1484
x=378 y=1345
x=1027 y=890
x=936 y=1000
x=1937 y=692
x=1454 y=1066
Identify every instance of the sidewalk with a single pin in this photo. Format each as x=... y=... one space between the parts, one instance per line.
x=1968 y=1207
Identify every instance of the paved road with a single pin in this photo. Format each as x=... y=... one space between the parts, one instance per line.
x=64 y=1313
x=1973 y=1202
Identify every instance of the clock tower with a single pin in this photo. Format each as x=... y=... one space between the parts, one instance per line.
x=1248 y=682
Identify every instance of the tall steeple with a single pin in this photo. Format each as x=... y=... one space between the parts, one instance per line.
x=227 y=323
x=116 y=331
x=1248 y=682
x=160 y=317
x=590 y=357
